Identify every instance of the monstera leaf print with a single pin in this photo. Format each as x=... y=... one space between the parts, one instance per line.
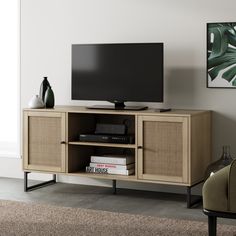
x=221 y=45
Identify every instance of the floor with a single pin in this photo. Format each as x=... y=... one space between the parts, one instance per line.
x=101 y=198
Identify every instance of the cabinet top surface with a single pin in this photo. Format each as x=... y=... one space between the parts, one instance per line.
x=150 y=111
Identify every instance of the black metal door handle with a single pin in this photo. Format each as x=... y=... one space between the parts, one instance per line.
x=63 y=142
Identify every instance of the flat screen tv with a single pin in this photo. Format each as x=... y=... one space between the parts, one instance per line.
x=118 y=73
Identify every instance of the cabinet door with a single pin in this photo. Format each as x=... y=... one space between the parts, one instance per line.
x=163 y=148
x=44 y=141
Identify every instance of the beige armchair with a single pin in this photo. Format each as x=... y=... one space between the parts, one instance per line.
x=219 y=196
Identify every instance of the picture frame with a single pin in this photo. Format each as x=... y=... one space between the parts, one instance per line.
x=221 y=55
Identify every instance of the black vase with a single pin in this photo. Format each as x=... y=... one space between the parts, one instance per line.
x=49 y=99
x=224 y=161
x=43 y=87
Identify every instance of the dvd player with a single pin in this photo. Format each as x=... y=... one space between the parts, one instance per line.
x=107 y=138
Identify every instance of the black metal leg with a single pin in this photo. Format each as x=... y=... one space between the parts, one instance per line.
x=188 y=197
x=54 y=176
x=114 y=186
x=25 y=181
x=192 y=200
x=212 y=225
x=36 y=186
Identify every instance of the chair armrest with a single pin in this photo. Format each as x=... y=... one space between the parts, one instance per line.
x=232 y=188
x=215 y=191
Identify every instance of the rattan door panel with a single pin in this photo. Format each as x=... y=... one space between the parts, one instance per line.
x=44 y=133
x=163 y=156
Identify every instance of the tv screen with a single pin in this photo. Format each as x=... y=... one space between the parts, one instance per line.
x=118 y=72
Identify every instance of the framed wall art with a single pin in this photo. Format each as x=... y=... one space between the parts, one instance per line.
x=221 y=55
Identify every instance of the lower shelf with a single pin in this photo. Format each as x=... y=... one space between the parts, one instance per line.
x=104 y=176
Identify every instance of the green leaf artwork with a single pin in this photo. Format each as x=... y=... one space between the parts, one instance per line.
x=221 y=54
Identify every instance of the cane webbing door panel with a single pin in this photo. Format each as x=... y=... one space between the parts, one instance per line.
x=44 y=141
x=163 y=148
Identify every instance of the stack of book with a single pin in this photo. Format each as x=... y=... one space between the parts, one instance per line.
x=112 y=164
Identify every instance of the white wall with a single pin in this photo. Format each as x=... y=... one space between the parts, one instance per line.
x=48 y=28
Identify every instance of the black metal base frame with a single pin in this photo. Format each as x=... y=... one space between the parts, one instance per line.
x=212 y=219
x=37 y=186
x=192 y=199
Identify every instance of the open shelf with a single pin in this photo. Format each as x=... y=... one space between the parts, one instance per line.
x=79 y=156
x=118 y=145
x=80 y=123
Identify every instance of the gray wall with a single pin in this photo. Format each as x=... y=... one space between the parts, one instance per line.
x=49 y=27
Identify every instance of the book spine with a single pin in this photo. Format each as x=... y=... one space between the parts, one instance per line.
x=108 y=160
x=120 y=172
x=90 y=169
x=112 y=166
